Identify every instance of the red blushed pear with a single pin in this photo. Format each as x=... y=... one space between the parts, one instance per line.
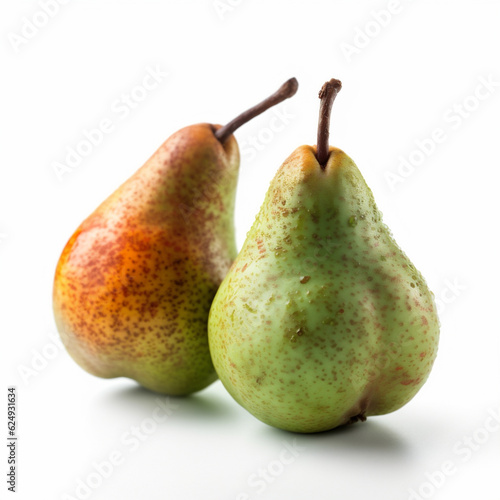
x=134 y=284
x=322 y=320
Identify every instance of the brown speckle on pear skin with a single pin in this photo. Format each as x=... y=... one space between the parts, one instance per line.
x=134 y=284
x=368 y=339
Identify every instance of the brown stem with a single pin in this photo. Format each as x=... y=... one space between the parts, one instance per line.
x=327 y=94
x=287 y=90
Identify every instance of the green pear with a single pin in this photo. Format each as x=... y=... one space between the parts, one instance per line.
x=134 y=284
x=322 y=319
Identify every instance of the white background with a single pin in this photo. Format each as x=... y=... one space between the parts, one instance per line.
x=411 y=77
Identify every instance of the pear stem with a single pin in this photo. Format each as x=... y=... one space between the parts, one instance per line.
x=327 y=94
x=288 y=89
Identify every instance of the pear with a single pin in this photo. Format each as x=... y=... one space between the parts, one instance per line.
x=134 y=284
x=322 y=320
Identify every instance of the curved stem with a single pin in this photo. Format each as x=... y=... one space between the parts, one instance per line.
x=287 y=90
x=327 y=94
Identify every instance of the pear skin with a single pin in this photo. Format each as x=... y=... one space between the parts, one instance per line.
x=135 y=282
x=322 y=319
